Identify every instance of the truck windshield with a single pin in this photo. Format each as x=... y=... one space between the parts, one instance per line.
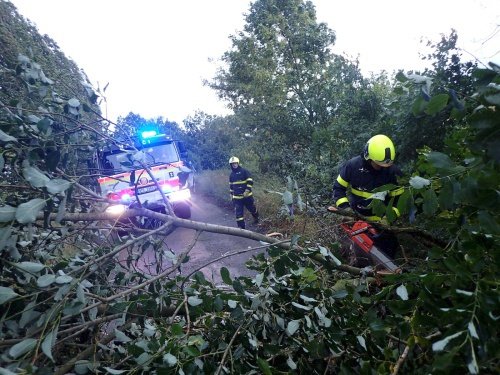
x=120 y=161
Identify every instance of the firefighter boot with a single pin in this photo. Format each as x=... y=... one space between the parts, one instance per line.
x=241 y=224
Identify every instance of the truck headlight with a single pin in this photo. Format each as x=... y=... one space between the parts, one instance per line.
x=116 y=209
x=181 y=195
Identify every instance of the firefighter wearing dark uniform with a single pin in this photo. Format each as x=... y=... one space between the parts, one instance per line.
x=361 y=175
x=240 y=188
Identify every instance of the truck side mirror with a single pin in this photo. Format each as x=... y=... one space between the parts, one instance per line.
x=132 y=178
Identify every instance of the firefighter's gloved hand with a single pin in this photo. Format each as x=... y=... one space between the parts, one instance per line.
x=384 y=221
x=246 y=193
x=347 y=210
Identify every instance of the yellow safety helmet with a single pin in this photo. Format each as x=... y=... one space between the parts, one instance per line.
x=234 y=159
x=380 y=150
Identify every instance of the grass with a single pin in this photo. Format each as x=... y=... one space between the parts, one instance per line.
x=315 y=226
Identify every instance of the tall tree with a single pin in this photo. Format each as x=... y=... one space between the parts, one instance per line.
x=282 y=77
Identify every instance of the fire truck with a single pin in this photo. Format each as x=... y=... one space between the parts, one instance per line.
x=124 y=177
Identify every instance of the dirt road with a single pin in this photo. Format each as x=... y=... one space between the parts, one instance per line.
x=209 y=246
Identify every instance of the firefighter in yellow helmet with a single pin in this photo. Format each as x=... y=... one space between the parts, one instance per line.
x=361 y=175
x=240 y=188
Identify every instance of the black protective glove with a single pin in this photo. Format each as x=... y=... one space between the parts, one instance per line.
x=346 y=209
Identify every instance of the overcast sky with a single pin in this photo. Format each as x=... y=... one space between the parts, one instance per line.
x=155 y=54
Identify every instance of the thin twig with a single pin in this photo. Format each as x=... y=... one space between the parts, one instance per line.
x=87 y=352
x=219 y=369
x=401 y=359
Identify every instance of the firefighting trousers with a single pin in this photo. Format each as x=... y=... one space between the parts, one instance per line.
x=239 y=205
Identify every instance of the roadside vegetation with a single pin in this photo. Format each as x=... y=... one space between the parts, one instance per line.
x=66 y=306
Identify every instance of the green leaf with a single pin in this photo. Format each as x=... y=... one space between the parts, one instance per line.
x=194 y=301
x=73 y=102
x=226 y=277
x=27 y=212
x=45 y=280
x=298 y=305
x=404 y=202
x=29 y=315
x=493 y=99
x=441 y=344
x=472 y=364
x=292 y=327
x=291 y=363
x=218 y=303
x=82 y=367
x=361 y=341
x=6 y=294
x=430 y=204
x=472 y=330
x=33 y=119
x=238 y=287
x=401 y=77
x=35 y=177
x=437 y=104
x=177 y=329
x=169 y=359
x=306 y=298
x=30 y=267
x=80 y=293
x=63 y=279
x=143 y=359
x=22 y=347
x=4 y=137
x=120 y=336
x=402 y=292
x=418 y=182
x=113 y=371
x=419 y=106
x=44 y=124
x=390 y=214
x=57 y=186
x=287 y=198
x=264 y=366
x=488 y=223
x=7 y=213
x=440 y=160
x=446 y=195
x=258 y=279
x=48 y=343
x=192 y=351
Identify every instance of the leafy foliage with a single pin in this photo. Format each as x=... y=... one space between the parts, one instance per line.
x=70 y=303
x=285 y=84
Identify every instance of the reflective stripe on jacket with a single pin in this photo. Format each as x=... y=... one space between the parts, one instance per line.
x=357 y=180
x=240 y=180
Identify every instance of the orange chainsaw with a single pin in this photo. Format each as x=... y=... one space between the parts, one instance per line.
x=361 y=234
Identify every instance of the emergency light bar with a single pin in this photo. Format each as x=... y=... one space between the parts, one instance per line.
x=152 y=136
x=148 y=134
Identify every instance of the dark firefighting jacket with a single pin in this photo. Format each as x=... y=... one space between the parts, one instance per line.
x=240 y=180
x=357 y=181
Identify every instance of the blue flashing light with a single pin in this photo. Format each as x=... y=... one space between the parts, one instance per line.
x=148 y=134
